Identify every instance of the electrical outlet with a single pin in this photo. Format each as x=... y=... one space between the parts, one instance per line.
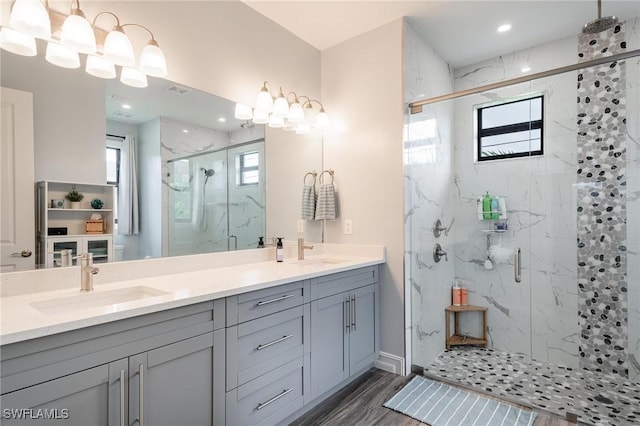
x=348 y=227
x=300 y=226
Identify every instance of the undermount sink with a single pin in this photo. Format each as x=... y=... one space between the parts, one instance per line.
x=320 y=261
x=95 y=299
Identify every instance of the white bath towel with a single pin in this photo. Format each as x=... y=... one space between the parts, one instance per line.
x=326 y=204
x=308 y=202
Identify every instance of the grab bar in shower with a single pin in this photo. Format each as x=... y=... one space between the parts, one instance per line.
x=517 y=268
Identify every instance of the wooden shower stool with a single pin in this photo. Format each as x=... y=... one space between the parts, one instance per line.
x=458 y=339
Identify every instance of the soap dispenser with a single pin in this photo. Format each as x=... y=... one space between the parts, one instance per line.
x=279 y=250
x=260 y=242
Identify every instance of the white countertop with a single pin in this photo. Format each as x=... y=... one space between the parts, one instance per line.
x=20 y=320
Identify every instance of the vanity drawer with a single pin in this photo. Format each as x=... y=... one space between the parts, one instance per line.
x=256 y=304
x=270 y=398
x=259 y=346
x=343 y=281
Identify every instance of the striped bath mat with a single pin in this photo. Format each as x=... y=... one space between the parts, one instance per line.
x=438 y=404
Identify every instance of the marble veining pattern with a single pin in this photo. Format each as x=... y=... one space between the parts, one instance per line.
x=554 y=388
x=601 y=206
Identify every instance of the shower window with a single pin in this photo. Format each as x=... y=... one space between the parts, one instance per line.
x=248 y=166
x=510 y=129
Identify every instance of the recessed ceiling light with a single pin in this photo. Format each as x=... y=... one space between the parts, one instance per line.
x=185 y=131
x=504 y=28
x=525 y=68
x=222 y=119
x=126 y=106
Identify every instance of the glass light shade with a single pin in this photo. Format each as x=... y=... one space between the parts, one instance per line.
x=77 y=34
x=296 y=114
x=118 y=49
x=322 y=119
x=289 y=126
x=243 y=112
x=62 y=56
x=97 y=66
x=264 y=101
x=152 y=61
x=260 y=117
x=132 y=77
x=280 y=107
x=303 y=129
x=276 y=121
x=310 y=114
x=18 y=43
x=30 y=17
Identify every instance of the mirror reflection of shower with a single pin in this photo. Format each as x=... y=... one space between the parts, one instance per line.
x=203 y=216
x=214 y=197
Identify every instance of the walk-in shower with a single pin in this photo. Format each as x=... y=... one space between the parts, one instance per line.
x=566 y=337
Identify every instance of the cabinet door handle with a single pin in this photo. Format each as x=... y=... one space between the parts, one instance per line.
x=353 y=317
x=277 y=299
x=141 y=394
x=347 y=313
x=282 y=339
x=517 y=268
x=274 y=399
x=123 y=388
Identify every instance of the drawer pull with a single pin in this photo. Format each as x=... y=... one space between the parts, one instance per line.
x=282 y=339
x=277 y=299
x=274 y=399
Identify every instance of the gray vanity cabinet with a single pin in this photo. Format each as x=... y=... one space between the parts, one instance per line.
x=267 y=354
x=90 y=397
x=173 y=384
x=344 y=327
x=155 y=369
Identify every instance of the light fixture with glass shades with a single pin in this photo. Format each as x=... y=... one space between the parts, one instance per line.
x=284 y=112
x=70 y=35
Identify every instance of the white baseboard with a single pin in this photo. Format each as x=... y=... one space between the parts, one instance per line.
x=391 y=363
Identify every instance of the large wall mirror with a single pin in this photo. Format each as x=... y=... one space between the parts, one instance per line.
x=202 y=174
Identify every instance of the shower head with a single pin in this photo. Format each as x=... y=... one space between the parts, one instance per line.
x=207 y=172
x=600 y=24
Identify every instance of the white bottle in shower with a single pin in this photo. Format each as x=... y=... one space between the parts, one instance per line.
x=502 y=208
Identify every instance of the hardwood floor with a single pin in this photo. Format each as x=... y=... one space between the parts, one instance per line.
x=360 y=404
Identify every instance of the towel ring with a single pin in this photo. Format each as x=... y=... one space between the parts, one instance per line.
x=313 y=173
x=326 y=171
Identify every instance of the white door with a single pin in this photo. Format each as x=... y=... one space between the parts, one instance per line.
x=17 y=224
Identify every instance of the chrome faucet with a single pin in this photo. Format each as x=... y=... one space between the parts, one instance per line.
x=301 y=248
x=87 y=271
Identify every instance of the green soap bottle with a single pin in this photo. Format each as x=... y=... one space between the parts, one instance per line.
x=486 y=207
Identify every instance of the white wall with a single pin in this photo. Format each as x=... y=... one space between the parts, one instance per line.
x=362 y=84
x=62 y=152
x=150 y=190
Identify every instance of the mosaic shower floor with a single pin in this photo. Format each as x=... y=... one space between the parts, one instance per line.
x=596 y=398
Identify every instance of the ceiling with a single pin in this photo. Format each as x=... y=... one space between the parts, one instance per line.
x=452 y=27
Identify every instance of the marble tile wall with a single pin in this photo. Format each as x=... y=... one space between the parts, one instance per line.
x=540 y=315
x=428 y=148
x=632 y=30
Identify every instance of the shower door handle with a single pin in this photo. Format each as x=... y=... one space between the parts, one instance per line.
x=235 y=242
x=517 y=267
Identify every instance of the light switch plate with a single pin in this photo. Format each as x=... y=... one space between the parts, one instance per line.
x=300 y=226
